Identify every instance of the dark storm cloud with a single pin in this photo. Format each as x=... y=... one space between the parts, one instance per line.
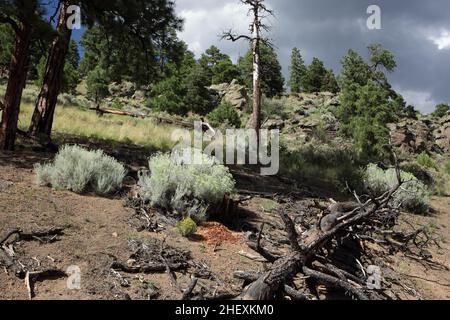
x=417 y=31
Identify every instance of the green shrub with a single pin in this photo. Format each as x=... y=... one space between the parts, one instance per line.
x=425 y=161
x=224 y=114
x=79 y=170
x=323 y=165
x=420 y=172
x=168 y=96
x=174 y=184
x=441 y=110
x=412 y=195
x=273 y=108
x=187 y=227
x=447 y=167
x=117 y=104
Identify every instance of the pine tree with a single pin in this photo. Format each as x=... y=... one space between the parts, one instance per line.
x=218 y=66
x=272 y=80
x=24 y=17
x=329 y=82
x=368 y=103
x=315 y=76
x=135 y=18
x=297 y=71
x=6 y=45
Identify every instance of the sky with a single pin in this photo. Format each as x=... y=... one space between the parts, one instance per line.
x=416 y=31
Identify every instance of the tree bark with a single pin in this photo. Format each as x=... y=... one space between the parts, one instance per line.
x=42 y=120
x=16 y=83
x=256 y=118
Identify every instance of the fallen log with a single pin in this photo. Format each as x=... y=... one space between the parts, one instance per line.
x=148 y=268
x=159 y=120
x=118 y=112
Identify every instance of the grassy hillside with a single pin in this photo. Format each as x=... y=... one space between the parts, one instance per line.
x=75 y=119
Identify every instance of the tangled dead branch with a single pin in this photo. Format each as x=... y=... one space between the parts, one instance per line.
x=27 y=271
x=314 y=254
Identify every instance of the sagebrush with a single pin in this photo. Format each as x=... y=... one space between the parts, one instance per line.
x=412 y=195
x=175 y=185
x=79 y=170
x=224 y=115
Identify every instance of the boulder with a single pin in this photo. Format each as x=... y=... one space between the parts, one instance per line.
x=233 y=93
x=442 y=133
x=114 y=88
x=273 y=124
x=123 y=90
x=127 y=89
x=139 y=95
x=412 y=136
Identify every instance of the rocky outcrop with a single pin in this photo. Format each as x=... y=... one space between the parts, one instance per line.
x=139 y=95
x=123 y=90
x=442 y=133
x=305 y=112
x=413 y=136
x=233 y=93
x=423 y=135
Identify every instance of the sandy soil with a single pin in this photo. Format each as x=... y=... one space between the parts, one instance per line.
x=98 y=228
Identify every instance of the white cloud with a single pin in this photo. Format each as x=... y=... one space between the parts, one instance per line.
x=422 y=100
x=418 y=34
x=203 y=26
x=442 y=41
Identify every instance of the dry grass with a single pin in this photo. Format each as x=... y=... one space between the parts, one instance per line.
x=74 y=121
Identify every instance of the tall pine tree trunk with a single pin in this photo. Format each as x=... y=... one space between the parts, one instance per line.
x=42 y=120
x=16 y=82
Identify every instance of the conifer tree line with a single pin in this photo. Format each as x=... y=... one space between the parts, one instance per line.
x=136 y=41
x=312 y=78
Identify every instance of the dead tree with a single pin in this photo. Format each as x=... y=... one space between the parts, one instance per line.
x=258 y=11
x=304 y=254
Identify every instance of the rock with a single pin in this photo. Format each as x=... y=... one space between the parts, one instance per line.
x=233 y=93
x=274 y=124
x=114 y=88
x=412 y=136
x=140 y=95
x=442 y=133
x=124 y=89
x=127 y=89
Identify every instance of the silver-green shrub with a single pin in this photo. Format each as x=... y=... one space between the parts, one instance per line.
x=172 y=183
x=412 y=195
x=79 y=170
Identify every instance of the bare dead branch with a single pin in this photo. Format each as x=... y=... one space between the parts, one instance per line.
x=334 y=282
x=188 y=291
x=294 y=294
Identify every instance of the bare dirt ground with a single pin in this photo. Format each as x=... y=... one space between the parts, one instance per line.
x=98 y=231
